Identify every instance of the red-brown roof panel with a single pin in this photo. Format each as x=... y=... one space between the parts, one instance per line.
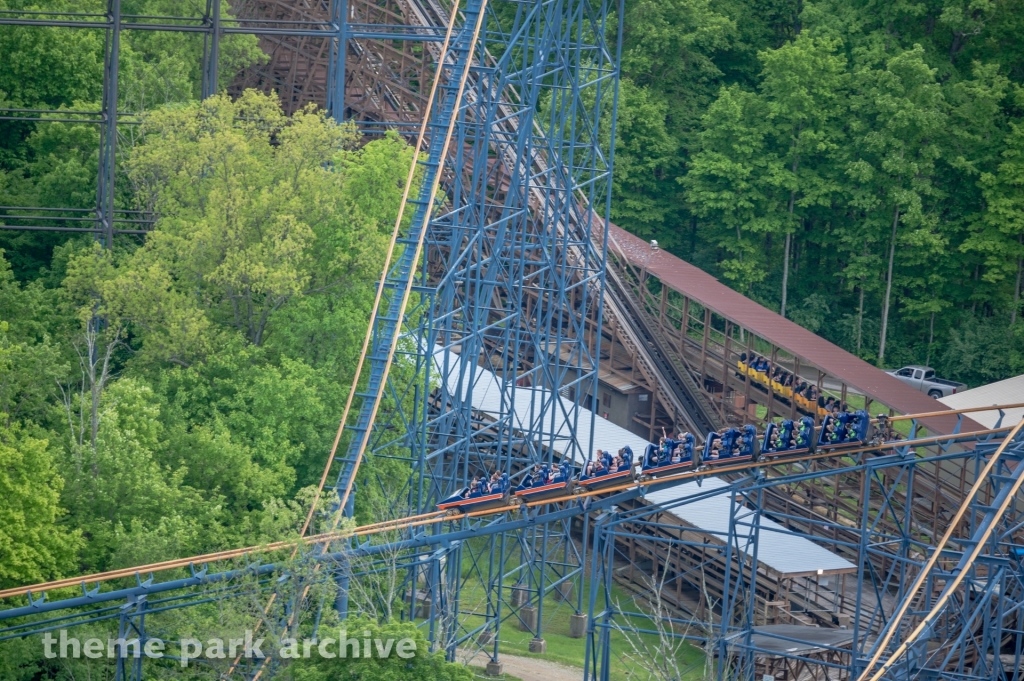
x=700 y=286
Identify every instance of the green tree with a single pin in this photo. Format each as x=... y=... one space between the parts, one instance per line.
x=803 y=87
x=898 y=109
x=118 y=485
x=1001 y=236
x=423 y=666
x=255 y=215
x=724 y=184
x=30 y=487
x=30 y=362
x=668 y=50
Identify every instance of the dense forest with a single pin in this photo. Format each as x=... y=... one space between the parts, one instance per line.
x=857 y=165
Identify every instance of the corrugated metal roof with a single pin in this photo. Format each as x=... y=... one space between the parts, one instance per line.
x=777 y=547
x=1009 y=391
x=492 y=396
x=700 y=286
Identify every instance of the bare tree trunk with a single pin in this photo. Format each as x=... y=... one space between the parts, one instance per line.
x=94 y=386
x=789 y=240
x=1016 y=286
x=785 y=273
x=96 y=369
x=860 y=317
x=931 y=337
x=888 y=286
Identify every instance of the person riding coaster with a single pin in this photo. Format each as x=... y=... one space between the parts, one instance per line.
x=606 y=470
x=844 y=429
x=536 y=477
x=884 y=431
x=672 y=455
x=788 y=437
x=480 y=495
x=546 y=482
x=731 y=445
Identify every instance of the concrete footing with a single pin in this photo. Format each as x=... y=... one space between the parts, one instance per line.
x=494 y=669
x=485 y=637
x=564 y=591
x=520 y=596
x=538 y=645
x=577 y=625
x=528 y=618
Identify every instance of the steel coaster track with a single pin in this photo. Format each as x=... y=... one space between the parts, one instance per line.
x=439 y=516
x=1009 y=485
x=201 y=577
x=417 y=148
x=388 y=326
x=675 y=389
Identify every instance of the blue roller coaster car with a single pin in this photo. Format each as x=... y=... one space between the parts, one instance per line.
x=541 y=484
x=788 y=437
x=730 y=446
x=672 y=455
x=478 y=498
x=844 y=430
x=603 y=473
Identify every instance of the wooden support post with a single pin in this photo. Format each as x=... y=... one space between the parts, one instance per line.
x=661 y=309
x=685 y=327
x=726 y=361
x=651 y=437
x=796 y=382
x=704 y=345
x=771 y=391
x=746 y=375
x=817 y=417
x=842 y=396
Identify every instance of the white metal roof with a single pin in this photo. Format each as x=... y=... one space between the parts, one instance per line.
x=1010 y=391
x=493 y=396
x=777 y=547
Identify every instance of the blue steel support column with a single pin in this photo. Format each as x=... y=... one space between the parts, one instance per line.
x=336 y=65
x=108 y=129
x=597 y=655
x=342 y=573
x=746 y=666
x=863 y=566
x=211 y=50
x=131 y=640
x=725 y=630
x=541 y=580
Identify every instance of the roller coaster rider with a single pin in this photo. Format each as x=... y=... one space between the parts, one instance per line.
x=536 y=476
x=601 y=464
x=884 y=431
x=474 y=487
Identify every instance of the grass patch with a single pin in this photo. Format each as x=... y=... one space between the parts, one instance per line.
x=563 y=649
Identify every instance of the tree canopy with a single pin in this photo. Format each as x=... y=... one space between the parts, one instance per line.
x=847 y=163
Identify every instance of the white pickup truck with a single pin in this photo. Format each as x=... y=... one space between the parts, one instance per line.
x=923 y=378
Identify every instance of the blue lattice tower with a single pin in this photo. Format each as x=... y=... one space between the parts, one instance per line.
x=508 y=278
x=959 y=604
x=131 y=640
x=953 y=603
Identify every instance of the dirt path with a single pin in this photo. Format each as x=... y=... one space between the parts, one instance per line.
x=526 y=668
